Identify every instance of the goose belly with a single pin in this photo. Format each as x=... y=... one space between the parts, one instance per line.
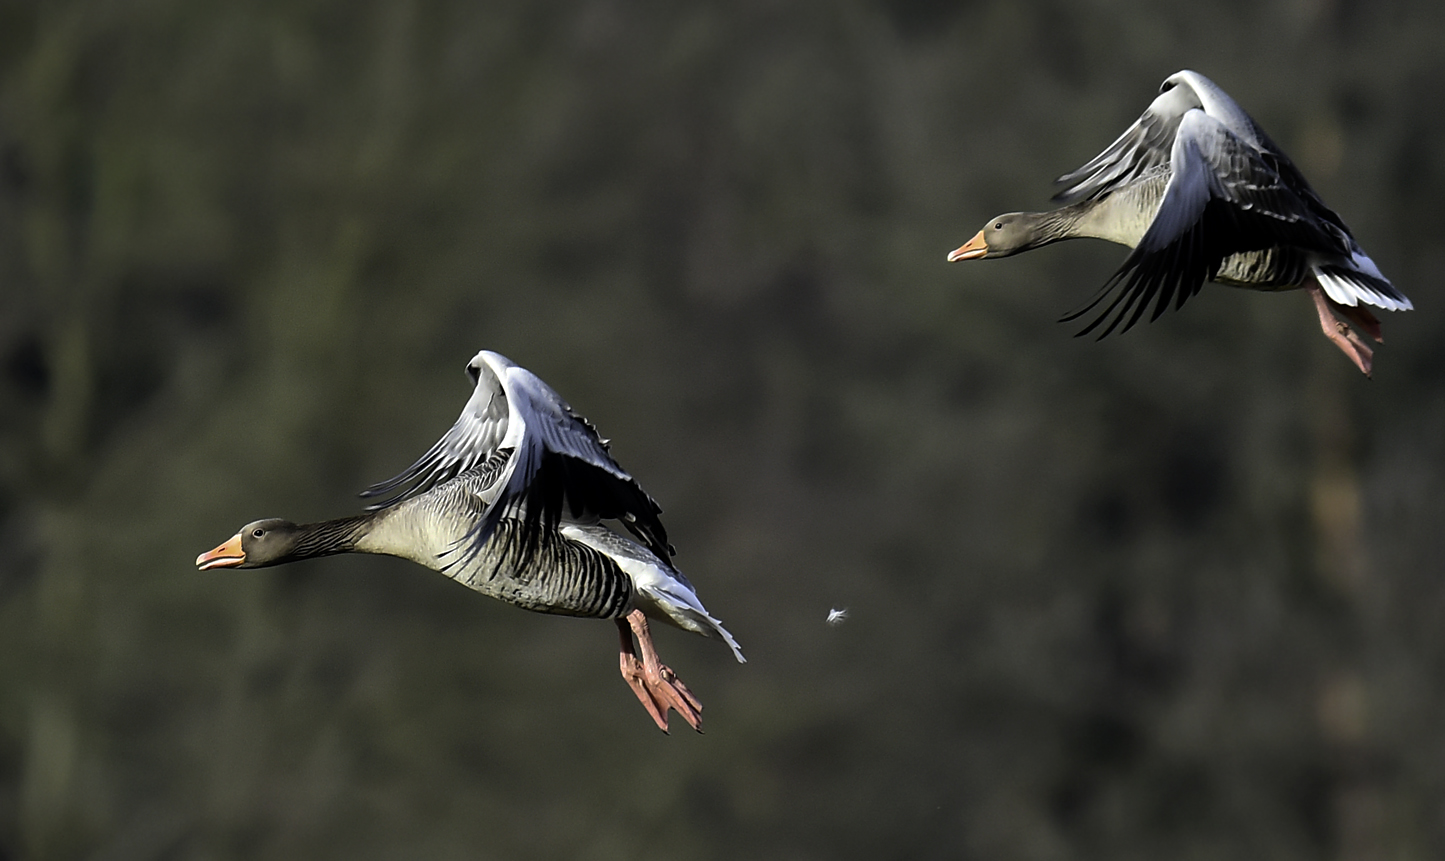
x=558 y=576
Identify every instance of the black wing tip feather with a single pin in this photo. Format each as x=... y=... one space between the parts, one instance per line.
x=1169 y=276
x=385 y=488
x=1076 y=186
x=394 y=494
x=1063 y=188
x=425 y=472
x=396 y=491
x=1110 y=286
x=1073 y=187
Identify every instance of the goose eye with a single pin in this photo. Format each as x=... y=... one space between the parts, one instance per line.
x=998 y=225
x=257 y=532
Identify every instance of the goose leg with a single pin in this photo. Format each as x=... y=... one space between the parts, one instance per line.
x=655 y=685
x=1363 y=320
x=1340 y=333
x=632 y=673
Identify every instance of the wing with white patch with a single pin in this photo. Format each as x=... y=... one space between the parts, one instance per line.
x=1142 y=147
x=562 y=470
x=474 y=442
x=1222 y=198
x=552 y=420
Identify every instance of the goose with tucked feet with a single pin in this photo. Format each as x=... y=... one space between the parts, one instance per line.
x=1200 y=193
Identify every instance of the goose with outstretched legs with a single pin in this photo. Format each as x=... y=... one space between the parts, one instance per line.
x=511 y=502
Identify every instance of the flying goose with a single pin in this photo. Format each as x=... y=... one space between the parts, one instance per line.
x=510 y=502
x=1200 y=192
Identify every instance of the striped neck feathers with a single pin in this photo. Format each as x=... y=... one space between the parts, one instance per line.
x=329 y=537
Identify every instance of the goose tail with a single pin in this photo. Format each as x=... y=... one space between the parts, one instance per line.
x=673 y=602
x=1360 y=283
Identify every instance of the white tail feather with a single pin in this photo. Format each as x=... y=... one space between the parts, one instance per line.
x=661 y=592
x=681 y=607
x=1350 y=292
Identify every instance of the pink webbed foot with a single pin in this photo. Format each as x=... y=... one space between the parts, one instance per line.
x=1363 y=320
x=1340 y=333
x=656 y=686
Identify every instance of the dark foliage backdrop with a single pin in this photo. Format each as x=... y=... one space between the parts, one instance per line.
x=1177 y=594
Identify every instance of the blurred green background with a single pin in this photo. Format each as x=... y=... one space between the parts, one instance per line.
x=1177 y=594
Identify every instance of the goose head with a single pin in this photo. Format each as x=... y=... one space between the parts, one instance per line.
x=264 y=542
x=1004 y=235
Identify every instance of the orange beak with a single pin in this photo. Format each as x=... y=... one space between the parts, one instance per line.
x=228 y=555
x=970 y=250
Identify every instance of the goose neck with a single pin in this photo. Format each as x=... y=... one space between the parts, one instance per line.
x=329 y=537
x=1056 y=225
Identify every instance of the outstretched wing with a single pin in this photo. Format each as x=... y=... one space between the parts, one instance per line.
x=562 y=468
x=1222 y=198
x=474 y=442
x=1142 y=147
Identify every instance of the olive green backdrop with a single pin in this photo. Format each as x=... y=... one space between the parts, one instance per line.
x=1179 y=594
